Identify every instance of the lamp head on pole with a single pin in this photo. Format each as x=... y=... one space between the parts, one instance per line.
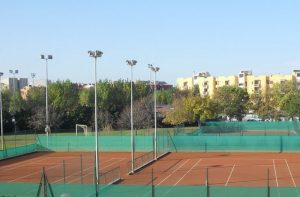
x=32 y=75
x=13 y=71
x=1 y=74
x=48 y=57
x=95 y=53
x=131 y=62
x=154 y=69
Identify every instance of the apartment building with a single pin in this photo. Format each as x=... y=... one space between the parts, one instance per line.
x=208 y=84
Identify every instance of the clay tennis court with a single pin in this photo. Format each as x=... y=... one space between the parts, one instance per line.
x=224 y=169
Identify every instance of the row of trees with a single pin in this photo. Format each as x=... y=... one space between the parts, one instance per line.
x=70 y=104
x=282 y=100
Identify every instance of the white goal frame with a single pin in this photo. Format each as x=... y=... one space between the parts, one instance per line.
x=84 y=127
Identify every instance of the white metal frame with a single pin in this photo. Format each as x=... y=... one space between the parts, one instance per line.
x=84 y=127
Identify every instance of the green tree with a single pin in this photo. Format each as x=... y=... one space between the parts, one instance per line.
x=232 y=101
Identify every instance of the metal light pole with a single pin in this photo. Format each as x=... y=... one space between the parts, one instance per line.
x=14 y=72
x=154 y=69
x=46 y=58
x=131 y=63
x=2 y=136
x=32 y=76
x=150 y=79
x=95 y=54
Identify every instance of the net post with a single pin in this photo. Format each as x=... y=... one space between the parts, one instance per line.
x=68 y=147
x=95 y=182
x=268 y=177
x=207 y=183
x=152 y=185
x=64 y=171
x=81 y=172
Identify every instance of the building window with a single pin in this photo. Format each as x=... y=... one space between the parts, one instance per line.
x=298 y=74
x=226 y=82
x=241 y=75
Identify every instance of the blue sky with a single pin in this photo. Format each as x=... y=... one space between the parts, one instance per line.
x=218 y=36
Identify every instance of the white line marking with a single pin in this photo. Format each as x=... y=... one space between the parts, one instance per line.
x=188 y=171
x=92 y=173
x=21 y=164
x=32 y=174
x=230 y=175
x=77 y=173
x=275 y=173
x=173 y=172
x=290 y=173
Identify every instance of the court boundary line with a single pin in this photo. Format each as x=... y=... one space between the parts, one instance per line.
x=275 y=172
x=56 y=181
x=230 y=175
x=100 y=169
x=17 y=165
x=11 y=181
x=173 y=172
x=290 y=172
x=188 y=172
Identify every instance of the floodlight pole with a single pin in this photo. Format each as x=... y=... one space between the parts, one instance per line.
x=32 y=76
x=131 y=63
x=2 y=137
x=95 y=55
x=46 y=58
x=14 y=72
x=154 y=69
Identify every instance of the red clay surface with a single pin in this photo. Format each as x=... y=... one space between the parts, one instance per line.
x=224 y=169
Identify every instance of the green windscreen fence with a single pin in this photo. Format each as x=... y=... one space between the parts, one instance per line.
x=17 y=151
x=204 y=143
x=88 y=190
x=246 y=128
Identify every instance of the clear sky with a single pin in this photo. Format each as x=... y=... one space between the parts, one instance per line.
x=180 y=36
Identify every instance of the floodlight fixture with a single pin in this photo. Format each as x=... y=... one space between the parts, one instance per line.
x=1 y=115
x=155 y=70
x=96 y=54
x=14 y=72
x=131 y=63
x=46 y=58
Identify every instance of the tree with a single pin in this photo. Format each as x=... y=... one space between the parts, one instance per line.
x=204 y=108
x=263 y=105
x=179 y=113
x=142 y=114
x=232 y=101
x=38 y=121
x=284 y=96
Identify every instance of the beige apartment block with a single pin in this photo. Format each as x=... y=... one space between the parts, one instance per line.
x=208 y=84
x=256 y=84
x=185 y=83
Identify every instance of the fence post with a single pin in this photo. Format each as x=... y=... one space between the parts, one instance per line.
x=152 y=184
x=207 y=183
x=81 y=175
x=64 y=171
